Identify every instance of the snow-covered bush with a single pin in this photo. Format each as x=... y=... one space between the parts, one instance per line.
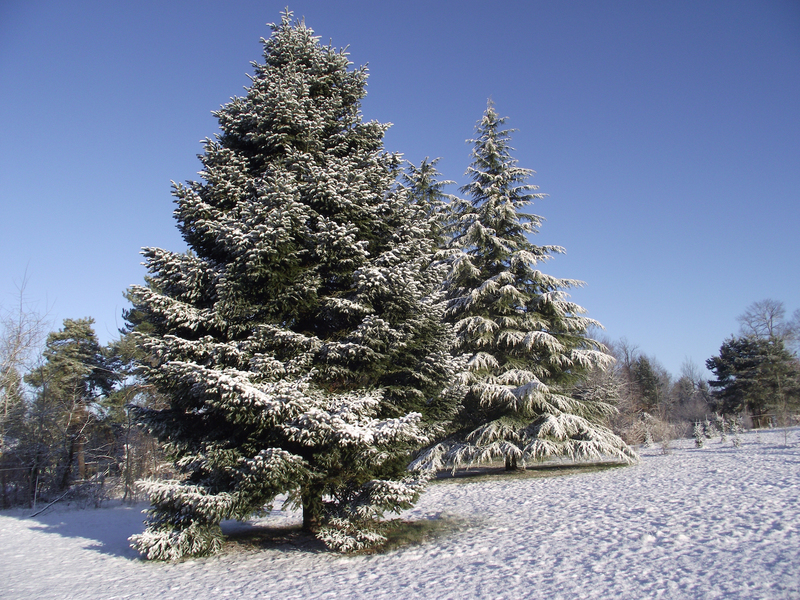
x=699 y=435
x=736 y=430
x=709 y=430
x=722 y=426
x=648 y=438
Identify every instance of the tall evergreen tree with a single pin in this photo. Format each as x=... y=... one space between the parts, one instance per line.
x=649 y=386
x=75 y=376
x=527 y=343
x=755 y=375
x=300 y=341
x=427 y=192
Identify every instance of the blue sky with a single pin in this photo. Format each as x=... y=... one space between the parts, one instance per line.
x=666 y=135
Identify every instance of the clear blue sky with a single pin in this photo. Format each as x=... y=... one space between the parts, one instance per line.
x=666 y=134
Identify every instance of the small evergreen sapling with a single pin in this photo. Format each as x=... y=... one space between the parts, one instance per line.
x=709 y=430
x=699 y=435
x=648 y=438
x=722 y=427
x=736 y=429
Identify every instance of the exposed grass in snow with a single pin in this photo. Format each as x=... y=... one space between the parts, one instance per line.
x=400 y=533
x=497 y=470
x=715 y=522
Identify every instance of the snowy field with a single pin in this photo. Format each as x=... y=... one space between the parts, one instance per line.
x=716 y=522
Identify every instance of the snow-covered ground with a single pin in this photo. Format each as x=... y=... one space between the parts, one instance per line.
x=716 y=522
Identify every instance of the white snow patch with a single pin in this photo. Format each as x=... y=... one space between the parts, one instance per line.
x=715 y=522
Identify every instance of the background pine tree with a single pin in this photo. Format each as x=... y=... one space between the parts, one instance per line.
x=755 y=375
x=67 y=408
x=526 y=341
x=300 y=342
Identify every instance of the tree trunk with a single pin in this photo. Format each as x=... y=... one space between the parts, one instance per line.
x=6 y=503
x=81 y=459
x=65 y=473
x=511 y=463
x=311 y=496
x=33 y=484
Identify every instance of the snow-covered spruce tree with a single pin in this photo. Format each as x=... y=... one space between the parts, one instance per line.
x=709 y=430
x=736 y=430
x=300 y=341
x=722 y=427
x=699 y=435
x=427 y=190
x=527 y=343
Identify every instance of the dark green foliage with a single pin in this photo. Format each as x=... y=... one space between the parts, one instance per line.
x=754 y=374
x=648 y=385
x=299 y=343
x=65 y=435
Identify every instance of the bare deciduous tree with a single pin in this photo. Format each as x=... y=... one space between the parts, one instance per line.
x=767 y=319
x=22 y=330
x=793 y=342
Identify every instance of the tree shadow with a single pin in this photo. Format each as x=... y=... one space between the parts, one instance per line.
x=256 y=535
x=104 y=530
